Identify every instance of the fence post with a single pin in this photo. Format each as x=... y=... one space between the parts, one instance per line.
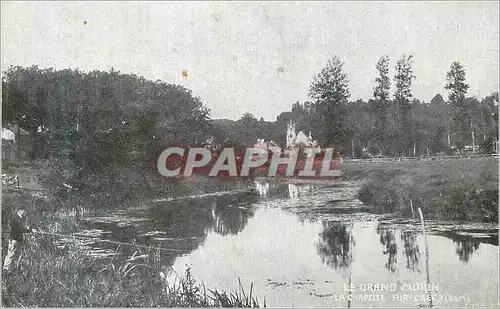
x=350 y=265
x=426 y=258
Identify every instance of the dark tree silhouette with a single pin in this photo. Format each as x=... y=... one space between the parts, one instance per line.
x=333 y=247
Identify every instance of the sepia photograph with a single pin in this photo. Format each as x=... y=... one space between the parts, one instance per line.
x=280 y=154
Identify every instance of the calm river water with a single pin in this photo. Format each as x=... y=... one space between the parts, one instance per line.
x=299 y=243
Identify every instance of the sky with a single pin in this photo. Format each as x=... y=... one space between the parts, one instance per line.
x=257 y=57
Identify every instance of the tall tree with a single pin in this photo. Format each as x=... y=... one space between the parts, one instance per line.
x=330 y=91
x=438 y=99
x=456 y=85
x=248 y=129
x=489 y=123
x=382 y=103
x=438 y=122
x=381 y=90
x=402 y=97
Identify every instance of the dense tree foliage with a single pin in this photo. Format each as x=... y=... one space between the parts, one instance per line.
x=382 y=106
x=402 y=99
x=458 y=89
x=330 y=92
x=100 y=118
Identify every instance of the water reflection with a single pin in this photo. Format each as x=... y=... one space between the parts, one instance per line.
x=284 y=248
x=230 y=217
x=267 y=188
x=388 y=242
x=300 y=190
x=411 y=249
x=270 y=189
x=262 y=188
x=333 y=247
x=182 y=218
x=468 y=241
x=408 y=241
x=293 y=191
x=184 y=223
x=466 y=246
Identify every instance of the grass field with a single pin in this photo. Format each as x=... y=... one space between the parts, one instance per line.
x=459 y=189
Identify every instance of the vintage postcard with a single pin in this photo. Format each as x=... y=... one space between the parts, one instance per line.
x=250 y=154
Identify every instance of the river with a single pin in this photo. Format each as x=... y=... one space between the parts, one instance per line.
x=300 y=242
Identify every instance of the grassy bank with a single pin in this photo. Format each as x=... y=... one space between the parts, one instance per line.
x=47 y=276
x=117 y=183
x=458 y=189
x=46 y=273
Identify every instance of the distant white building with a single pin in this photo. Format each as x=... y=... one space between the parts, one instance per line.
x=8 y=135
x=8 y=145
x=294 y=140
x=15 y=143
x=271 y=145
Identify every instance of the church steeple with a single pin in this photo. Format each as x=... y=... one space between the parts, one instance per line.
x=290 y=133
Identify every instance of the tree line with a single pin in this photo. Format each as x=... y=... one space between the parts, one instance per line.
x=388 y=124
x=100 y=118
x=103 y=118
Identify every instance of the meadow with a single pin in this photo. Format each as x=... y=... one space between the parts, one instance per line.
x=455 y=189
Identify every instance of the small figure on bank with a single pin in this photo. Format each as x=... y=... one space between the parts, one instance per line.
x=17 y=229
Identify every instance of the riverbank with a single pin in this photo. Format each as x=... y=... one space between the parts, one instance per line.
x=51 y=273
x=46 y=272
x=458 y=189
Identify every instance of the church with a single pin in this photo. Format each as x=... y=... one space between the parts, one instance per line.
x=294 y=140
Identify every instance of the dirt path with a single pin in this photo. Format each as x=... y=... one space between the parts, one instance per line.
x=27 y=176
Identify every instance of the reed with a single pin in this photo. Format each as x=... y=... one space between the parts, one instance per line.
x=49 y=272
x=46 y=277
